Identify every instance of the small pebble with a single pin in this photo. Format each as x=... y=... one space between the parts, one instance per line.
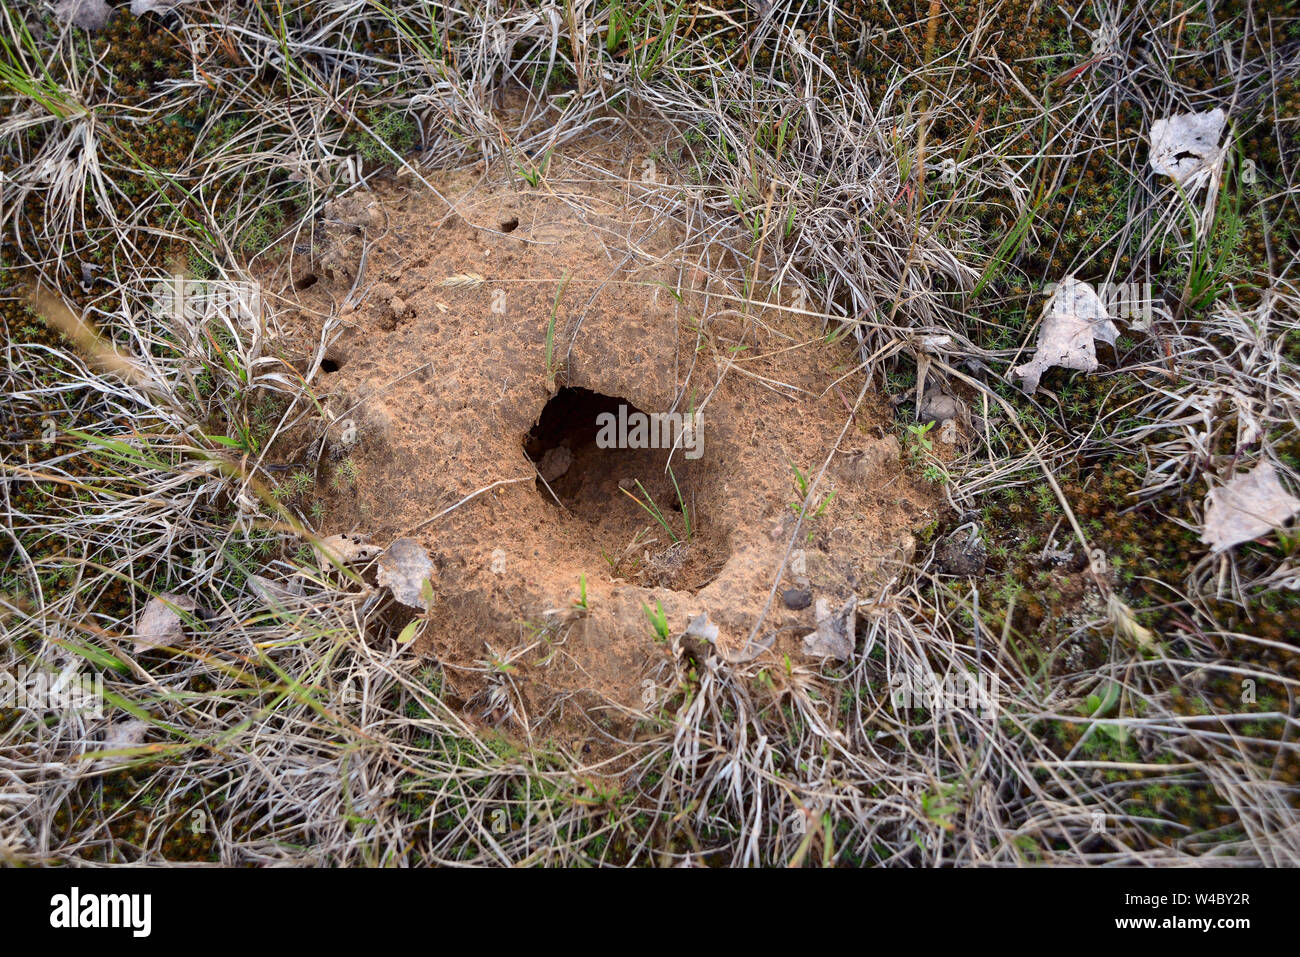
x=555 y=463
x=796 y=599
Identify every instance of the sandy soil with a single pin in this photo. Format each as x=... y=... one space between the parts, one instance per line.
x=437 y=386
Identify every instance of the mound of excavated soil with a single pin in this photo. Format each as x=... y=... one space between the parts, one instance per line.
x=438 y=386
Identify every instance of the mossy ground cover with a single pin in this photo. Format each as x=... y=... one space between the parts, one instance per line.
x=980 y=151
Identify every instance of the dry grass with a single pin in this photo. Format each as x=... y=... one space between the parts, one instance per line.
x=304 y=734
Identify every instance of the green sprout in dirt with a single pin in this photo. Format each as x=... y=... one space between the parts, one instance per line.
x=658 y=621
x=802 y=485
x=681 y=503
x=657 y=514
x=919 y=442
x=532 y=173
x=920 y=452
x=581 y=600
x=345 y=476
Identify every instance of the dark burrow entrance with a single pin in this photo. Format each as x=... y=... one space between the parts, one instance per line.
x=648 y=524
x=567 y=425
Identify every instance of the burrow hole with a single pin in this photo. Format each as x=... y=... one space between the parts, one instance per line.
x=593 y=483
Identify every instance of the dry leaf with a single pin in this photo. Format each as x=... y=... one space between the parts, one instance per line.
x=1185 y=144
x=1126 y=625
x=343 y=550
x=1250 y=505
x=160 y=625
x=271 y=592
x=834 y=636
x=1074 y=317
x=404 y=568
x=701 y=627
x=87 y=14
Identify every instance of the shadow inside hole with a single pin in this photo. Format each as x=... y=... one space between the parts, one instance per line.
x=566 y=431
x=628 y=499
x=330 y=364
x=510 y=225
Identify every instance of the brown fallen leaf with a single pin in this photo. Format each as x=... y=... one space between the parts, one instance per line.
x=160 y=624
x=404 y=568
x=1247 y=506
x=835 y=634
x=1073 y=318
x=343 y=550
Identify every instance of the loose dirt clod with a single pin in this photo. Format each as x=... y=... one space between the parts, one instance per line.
x=796 y=599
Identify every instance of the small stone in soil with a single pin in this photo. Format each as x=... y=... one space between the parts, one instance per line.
x=796 y=599
x=555 y=463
